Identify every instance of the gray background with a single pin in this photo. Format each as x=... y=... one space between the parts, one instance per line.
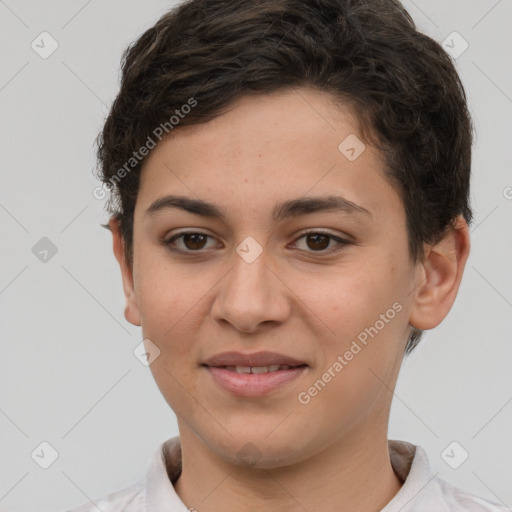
x=68 y=374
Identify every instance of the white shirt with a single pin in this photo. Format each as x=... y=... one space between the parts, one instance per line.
x=421 y=490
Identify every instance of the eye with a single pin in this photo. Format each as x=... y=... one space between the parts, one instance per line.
x=192 y=241
x=196 y=242
x=319 y=241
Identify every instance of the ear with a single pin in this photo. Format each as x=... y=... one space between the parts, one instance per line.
x=439 y=277
x=131 y=309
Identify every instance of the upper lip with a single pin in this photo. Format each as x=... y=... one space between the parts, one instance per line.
x=264 y=358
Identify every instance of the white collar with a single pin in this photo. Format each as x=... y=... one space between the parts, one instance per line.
x=421 y=491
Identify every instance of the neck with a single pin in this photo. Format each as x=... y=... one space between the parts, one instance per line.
x=353 y=473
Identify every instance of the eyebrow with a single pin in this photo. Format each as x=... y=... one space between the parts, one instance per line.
x=290 y=208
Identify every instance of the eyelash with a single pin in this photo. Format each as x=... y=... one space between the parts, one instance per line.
x=341 y=242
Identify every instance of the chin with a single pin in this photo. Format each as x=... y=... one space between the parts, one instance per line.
x=258 y=451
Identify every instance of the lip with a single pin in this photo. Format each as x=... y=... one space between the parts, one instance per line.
x=253 y=384
x=263 y=358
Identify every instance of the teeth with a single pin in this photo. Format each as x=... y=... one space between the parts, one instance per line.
x=260 y=369
x=257 y=369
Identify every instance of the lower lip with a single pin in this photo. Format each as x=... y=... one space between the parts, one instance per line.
x=253 y=384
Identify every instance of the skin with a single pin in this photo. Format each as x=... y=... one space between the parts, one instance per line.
x=295 y=298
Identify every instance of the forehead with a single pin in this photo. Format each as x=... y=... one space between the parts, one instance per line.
x=294 y=122
x=267 y=148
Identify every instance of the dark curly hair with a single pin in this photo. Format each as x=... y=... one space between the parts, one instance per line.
x=403 y=86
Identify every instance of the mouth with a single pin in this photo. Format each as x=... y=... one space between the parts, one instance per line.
x=257 y=369
x=262 y=359
x=253 y=375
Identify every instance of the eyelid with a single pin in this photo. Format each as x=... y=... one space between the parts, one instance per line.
x=342 y=241
x=168 y=241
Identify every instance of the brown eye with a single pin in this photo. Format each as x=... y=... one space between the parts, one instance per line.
x=188 y=242
x=317 y=241
x=194 y=241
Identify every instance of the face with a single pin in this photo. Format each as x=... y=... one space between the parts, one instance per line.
x=329 y=287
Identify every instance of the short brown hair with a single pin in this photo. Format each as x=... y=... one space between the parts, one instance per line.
x=402 y=84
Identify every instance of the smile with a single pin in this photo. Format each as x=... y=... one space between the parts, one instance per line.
x=257 y=369
x=254 y=381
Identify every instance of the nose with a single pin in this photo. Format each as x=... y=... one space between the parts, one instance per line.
x=252 y=296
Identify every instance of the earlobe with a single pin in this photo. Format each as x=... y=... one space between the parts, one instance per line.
x=439 y=277
x=131 y=310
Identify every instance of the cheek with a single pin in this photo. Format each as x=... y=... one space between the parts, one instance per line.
x=359 y=363
x=164 y=298
x=172 y=310
x=164 y=292
x=350 y=298
x=364 y=314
